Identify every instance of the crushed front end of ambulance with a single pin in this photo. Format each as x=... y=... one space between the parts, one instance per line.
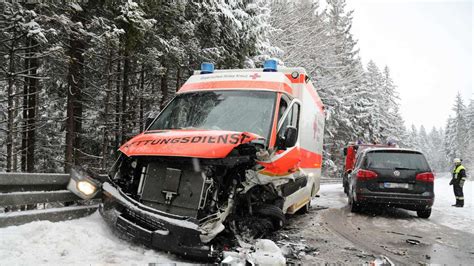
x=188 y=178
x=221 y=165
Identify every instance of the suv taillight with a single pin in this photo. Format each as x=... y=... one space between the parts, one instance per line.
x=366 y=175
x=425 y=177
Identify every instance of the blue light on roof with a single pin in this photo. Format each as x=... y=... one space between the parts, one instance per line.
x=207 y=68
x=270 y=65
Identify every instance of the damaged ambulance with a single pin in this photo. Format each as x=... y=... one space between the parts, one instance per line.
x=230 y=155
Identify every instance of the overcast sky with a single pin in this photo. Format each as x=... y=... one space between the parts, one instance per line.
x=428 y=47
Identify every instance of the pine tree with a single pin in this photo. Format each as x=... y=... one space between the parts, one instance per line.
x=469 y=157
x=456 y=138
x=435 y=154
x=373 y=98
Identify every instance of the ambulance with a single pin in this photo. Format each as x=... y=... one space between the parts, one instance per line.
x=225 y=161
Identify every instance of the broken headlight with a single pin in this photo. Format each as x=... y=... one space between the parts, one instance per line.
x=83 y=184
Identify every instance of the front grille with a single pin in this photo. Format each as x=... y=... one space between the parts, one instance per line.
x=142 y=220
x=172 y=188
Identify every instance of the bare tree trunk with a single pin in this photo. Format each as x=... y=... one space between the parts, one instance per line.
x=24 y=131
x=31 y=120
x=16 y=127
x=164 y=89
x=125 y=88
x=10 y=96
x=118 y=114
x=74 y=101
x=140 y=98
x=105 y=142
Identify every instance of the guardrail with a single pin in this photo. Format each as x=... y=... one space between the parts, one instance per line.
x=328 y=180
x=27 y=197
x=23 y=197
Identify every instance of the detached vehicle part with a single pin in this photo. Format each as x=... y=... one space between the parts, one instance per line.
x=83 y=184
x=225 y=161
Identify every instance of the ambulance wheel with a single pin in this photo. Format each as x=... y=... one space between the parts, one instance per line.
x=274 y=213
x=305 y=208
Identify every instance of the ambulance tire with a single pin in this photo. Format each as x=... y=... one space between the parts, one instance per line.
x=305 y=208
x=274 y=213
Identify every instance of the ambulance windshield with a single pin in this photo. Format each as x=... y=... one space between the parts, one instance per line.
x=241 y=111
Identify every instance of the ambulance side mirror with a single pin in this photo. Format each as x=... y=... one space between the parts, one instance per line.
x=291 y=136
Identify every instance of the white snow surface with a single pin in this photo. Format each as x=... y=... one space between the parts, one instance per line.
x=89 y=240
x=443 y=213
x=83 y=241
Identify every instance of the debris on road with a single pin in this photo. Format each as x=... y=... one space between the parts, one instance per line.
x=413 y=241
x=395 y=251
x=381 y=261
x=263 y=252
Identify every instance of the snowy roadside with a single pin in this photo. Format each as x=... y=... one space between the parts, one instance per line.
x=443 y=213
x=83 y=241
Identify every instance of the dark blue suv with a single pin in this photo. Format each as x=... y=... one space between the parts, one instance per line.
x=394 y=177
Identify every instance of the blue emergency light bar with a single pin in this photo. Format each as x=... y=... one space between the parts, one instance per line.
x=270 y=65
x=207 y=68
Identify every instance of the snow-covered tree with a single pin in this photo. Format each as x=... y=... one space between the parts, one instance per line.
x=435 y=154
x=457 y=134
x=469 y=157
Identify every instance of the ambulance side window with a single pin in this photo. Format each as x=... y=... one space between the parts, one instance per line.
x=283 y=106
x=292 y=119
x=295 y=112
x=286 y=122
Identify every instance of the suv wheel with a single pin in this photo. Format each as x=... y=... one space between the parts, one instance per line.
x=354 y=205
x=424 y=213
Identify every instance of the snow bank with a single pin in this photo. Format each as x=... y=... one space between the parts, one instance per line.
x=83 y=241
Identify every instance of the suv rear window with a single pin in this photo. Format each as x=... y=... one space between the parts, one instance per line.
x=396 y=160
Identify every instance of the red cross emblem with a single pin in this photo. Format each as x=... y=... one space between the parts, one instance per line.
x=255 y=76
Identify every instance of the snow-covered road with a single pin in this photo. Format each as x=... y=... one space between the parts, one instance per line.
x=90 y=241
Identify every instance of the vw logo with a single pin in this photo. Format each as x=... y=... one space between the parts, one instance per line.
x=396 y=173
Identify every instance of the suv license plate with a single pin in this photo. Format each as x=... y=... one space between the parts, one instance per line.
x=395 y=185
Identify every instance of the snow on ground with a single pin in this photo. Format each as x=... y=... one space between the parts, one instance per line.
x=83 y=241
x=331 y=196
x=443 y=213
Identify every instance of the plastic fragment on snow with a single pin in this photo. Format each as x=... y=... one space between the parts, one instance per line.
x=263 y=252
x=381 y=261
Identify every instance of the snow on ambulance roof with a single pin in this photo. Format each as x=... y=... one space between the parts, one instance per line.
x=239 y=80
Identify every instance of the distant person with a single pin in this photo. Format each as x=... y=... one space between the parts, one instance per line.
x=459 y=177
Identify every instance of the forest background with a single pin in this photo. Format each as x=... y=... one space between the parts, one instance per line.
x=77 y=79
